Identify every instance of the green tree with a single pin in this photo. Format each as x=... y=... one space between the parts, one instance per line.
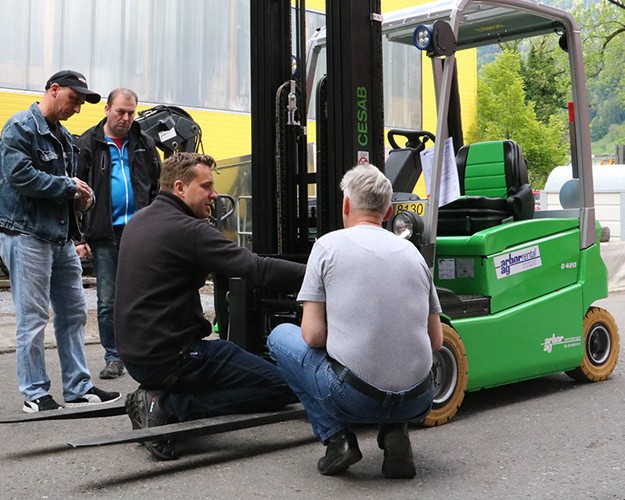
x=505 y=113
x=545 y=77
x=603 y=36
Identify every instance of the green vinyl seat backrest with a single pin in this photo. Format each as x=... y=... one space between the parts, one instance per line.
x=494 y=188
x=485 y=171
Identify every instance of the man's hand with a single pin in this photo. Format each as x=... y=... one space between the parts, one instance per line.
x=83 y=250
x=83 y=199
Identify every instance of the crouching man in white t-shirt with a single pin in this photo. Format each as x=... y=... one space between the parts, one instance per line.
x=370 y=323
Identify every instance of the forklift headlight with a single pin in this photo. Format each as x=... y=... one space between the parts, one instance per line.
x=422 y=37
x=437 y=39
x=409 y=226
x=403 y=225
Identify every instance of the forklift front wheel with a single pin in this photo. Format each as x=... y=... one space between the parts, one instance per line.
x=601 y=347
x=451 y=367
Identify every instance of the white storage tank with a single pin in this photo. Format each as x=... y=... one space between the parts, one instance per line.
x=609 y=187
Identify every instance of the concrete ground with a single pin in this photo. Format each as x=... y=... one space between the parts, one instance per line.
x=547 y=439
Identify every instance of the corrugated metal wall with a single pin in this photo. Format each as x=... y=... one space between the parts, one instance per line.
x=189 y=53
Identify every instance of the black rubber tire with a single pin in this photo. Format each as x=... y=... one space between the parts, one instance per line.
x=601 y=347
x=451 y=378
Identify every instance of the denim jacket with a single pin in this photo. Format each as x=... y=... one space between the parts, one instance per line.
x=36 y=189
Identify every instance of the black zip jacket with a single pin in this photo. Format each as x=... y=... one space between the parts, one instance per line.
x=94 y=167
x=165 y=256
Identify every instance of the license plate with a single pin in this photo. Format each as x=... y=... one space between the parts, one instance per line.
x=417 y=207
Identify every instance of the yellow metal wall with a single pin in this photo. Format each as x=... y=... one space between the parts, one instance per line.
x=223 y=134
x=467 y=76
x=387 y=5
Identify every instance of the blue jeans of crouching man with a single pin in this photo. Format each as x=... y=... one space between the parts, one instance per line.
x=329 y=401
x=216 y=377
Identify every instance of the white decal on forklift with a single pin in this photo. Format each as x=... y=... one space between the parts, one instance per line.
x=466 y=268
x=363 y=157
x=554 y=340
x=446 y=269
x=517 y=262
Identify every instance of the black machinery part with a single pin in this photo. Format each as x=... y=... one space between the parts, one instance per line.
x=172 y=128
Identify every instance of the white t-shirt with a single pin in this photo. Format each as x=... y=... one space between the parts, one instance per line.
x=378 y=292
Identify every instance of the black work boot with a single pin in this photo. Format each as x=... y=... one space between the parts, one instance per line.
x=398 y=459
x=145 y=409
x=341 y=452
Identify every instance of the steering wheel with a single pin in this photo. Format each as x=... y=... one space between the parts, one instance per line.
x=415 y=139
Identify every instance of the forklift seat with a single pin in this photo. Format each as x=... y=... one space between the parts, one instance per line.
x=494 y=188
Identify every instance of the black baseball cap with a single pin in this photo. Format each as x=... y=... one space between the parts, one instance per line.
x=75 y=81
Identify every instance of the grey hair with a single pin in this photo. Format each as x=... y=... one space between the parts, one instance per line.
x=367 y=188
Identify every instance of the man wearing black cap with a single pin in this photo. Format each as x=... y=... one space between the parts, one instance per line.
x=40 y=197
x=75 y=81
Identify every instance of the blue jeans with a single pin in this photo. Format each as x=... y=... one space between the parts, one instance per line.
x=330 y=403
x=105 y=265
x=43 y=274
x=216 y=377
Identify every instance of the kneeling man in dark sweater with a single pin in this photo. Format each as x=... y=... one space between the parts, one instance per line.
x=166 y=252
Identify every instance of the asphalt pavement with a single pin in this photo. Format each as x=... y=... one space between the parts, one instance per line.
x=549 y=438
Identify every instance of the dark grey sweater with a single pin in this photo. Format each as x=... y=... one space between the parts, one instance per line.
x=165 y=256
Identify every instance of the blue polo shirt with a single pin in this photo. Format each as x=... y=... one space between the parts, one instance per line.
x=122 y=197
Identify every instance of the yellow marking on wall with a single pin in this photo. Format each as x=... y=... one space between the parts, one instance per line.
x=391 y=5
x=387 y=5
x=224 y=135
x=318 y=5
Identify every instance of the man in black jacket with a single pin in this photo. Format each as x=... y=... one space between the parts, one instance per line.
x=122 y=166
x=167 y=251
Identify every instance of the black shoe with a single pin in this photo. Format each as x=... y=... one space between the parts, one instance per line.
x=163 y=450
x=398 y=459
x=94 y=396
x=342 y=451
x=145 y=409
x=44 y=403
x=113 y=369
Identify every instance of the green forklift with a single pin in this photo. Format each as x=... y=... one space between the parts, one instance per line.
x=517 y=285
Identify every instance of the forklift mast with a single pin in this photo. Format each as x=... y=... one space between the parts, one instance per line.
x=350 y=126
x=270 y=69
x=350 y=130
x=350 y=118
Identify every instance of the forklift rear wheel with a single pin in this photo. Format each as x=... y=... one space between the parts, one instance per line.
x=601 y=347
x=451 y=367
